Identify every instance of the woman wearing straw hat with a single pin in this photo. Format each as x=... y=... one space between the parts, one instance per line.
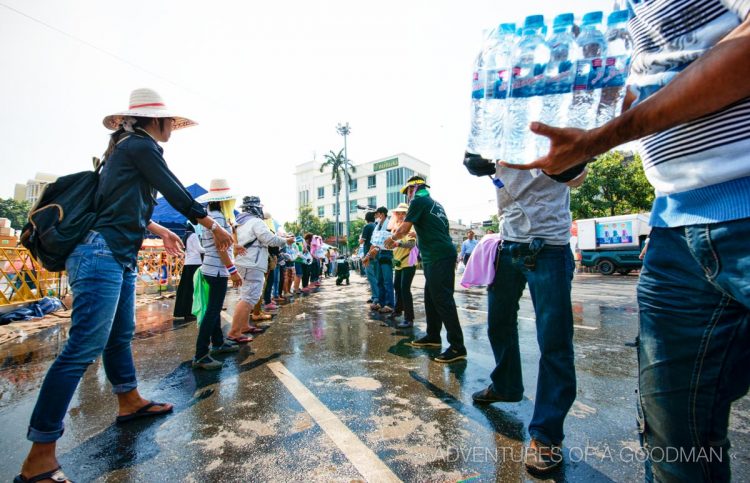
x=102 y=274
x=217 y=268
x=404 y=268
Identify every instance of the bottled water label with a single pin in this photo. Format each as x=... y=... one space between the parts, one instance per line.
x=528 y=85
x=499 y=80
x=562 y=82
x=583 y=72
x=616 y=71
x=477 y=87
x=597 y=75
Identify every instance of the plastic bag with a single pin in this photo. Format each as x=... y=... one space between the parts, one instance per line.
x=200 y=296
x=461 y=267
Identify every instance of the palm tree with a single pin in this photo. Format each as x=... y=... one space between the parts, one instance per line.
x=338 y=165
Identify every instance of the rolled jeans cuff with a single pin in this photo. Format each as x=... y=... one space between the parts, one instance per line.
x=36 y=436
x=125 y=387
x=542 y=438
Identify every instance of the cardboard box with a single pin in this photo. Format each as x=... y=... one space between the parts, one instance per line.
x=4 y=223
x=7 y=231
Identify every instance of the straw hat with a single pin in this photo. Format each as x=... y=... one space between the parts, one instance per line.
x=219 y=191
x=401 y=208
x=414 y=181
x=146 y=103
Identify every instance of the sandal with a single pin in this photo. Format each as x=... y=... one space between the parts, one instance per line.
x=253 y=330
x=260 y=317
x=55 y=475
x=243 y=339
x=144 y=412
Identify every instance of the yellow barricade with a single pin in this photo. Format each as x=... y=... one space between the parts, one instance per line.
x=22 y=278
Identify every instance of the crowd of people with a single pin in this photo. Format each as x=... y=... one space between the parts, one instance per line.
x=694 y=302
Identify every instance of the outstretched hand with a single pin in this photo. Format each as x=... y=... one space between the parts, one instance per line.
x=568 y=147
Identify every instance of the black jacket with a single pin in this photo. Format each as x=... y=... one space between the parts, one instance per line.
x=126 y=196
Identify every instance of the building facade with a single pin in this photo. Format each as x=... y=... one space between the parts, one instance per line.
x=375 y=183
x=33 y=188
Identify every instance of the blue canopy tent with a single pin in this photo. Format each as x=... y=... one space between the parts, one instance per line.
x=167 y=216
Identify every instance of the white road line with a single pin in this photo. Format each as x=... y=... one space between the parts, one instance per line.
x=530 y=319
x=363 y=458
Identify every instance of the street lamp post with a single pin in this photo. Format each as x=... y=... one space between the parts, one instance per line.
x=345 y=130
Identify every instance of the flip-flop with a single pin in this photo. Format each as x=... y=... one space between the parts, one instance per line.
x=253 y=330
x=241 y=339
x=55 y=475
x=144 y=412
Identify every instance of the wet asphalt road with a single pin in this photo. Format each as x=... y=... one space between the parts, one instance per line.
x=331 y=393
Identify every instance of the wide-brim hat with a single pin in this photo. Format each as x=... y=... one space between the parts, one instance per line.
x=414 y=181
x=251 y=201
x=219 y=191
x=401 y=208
x=146 y=103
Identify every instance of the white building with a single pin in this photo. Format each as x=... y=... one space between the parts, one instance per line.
x=33 y=188
x=375 y=183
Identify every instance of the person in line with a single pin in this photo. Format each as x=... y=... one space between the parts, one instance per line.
x=342 y=274
x=290 y=253
x=183 y=303
x=467 y=247
x=690 y=110
x=404 y=267
x=366 y=239
x=102 y=275
x=254 y=236
x=428 y=218
x=217 y=268
x=381 y=257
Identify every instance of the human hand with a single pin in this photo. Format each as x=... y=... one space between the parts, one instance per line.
x=389 y=243
x=172 y=244
x=569 y=147
x=240 y=250
x=222 y=238
x=290 y=239
x=236 y=280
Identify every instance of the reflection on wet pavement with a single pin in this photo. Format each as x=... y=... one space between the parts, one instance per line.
x=365 y=404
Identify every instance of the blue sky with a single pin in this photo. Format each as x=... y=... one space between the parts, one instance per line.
x=267 y=81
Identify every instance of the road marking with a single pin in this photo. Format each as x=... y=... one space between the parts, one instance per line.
x=363 y=458
x=529 y=319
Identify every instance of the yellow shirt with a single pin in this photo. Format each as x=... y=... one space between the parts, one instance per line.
x=402 y=250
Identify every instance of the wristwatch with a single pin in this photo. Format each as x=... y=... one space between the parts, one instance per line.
x=214 y=226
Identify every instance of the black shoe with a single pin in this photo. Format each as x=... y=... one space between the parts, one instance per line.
x=369 y=301
x=406 y=324
x=541 y=458
x=451 y=355
x=487 y=396
x=425 y=342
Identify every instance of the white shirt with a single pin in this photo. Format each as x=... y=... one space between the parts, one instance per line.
x=193 y=250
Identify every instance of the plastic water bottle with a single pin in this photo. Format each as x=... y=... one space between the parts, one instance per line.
x=530 y=57
x=497 y=68
x=617 y=64
x=477 y=95
x=560 y=75
x=589 y=73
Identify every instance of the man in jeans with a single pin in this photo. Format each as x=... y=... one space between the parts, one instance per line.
x=365 y=238
x=380 y=258
x=535 y=250
x=690 y=71
x=429 y=220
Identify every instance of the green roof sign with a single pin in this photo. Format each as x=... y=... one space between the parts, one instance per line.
x=388 y=163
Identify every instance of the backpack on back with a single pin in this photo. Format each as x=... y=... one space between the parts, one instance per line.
x=61 y=217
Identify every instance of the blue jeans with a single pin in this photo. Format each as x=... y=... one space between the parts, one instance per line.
x=384 y=295
x=372 y=279
x=103 y=322
x=694 y=353
x=549 y=284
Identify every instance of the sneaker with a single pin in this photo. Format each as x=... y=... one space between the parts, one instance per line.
x=542 y=458
x=451 y=355
x=406 y=324
x=225 y=348
x=369 y=301
x=386 y=310
x=207 y=363
x=487 y=396
x=425 y=342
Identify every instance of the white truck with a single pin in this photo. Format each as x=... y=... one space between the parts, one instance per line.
x=613 y=243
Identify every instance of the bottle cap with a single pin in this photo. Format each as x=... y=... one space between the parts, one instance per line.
x=618 y=16
x=563 y=20
x=593 y=18
x=533 y=22
x=507 y=28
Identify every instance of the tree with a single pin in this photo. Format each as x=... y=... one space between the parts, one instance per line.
x=495 y=226
x=307 y=222
x=16 y=211
x=616 y=185
x=356 y=229
x=337 y=163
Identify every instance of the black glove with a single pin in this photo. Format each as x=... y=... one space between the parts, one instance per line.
x=569 y=174
x=477 y=165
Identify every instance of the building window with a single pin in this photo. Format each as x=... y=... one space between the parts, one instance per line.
x=371 y=183
x=395 y=179
x=372 y=202
x=321 y=192
x=335 y=191
x=352 y=185
x=352 y=206
x=321 y=211
x=304 y=198
x=335 y=209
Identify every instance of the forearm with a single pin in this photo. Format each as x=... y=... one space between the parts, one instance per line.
x=725 y=69
x=157 y=229
x=226 y=260
x=402 y=230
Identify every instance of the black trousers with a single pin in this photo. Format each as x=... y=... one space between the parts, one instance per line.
x=402 y=285
x=440 y=308
x=183 y=302
x=209 y=331
x=305 y=275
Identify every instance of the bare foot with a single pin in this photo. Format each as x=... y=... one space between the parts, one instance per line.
x=41 y=459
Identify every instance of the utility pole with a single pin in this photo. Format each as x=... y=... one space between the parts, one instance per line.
x=345 y=130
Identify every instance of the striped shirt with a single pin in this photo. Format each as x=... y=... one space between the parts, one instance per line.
x=212 y=264
x=700 y=169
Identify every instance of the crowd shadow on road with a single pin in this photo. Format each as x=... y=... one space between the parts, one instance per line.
x=123 y=446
